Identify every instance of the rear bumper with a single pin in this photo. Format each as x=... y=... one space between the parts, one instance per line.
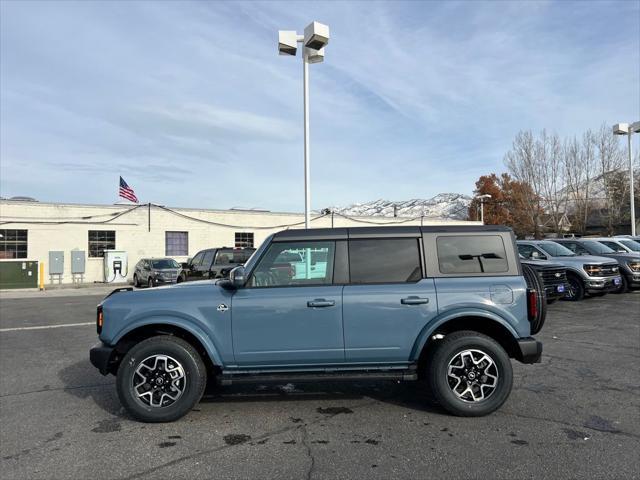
x=529 y=350
x=101 y=357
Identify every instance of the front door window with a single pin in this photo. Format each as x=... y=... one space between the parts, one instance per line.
x=295 y=264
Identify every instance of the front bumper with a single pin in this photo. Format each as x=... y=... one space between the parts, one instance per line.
x=556 y=291
x=102 y=357
x=603 y=284
x=633 y=279
x=529 y=350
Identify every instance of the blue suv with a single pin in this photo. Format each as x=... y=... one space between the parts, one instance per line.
x=448 y=306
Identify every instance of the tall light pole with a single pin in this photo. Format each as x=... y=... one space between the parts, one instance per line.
x=628 y=130
x=315 y=38
x=482 y=197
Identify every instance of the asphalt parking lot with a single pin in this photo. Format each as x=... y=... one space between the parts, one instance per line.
x=577 y=414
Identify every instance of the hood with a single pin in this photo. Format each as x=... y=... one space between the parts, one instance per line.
x=626 y=256
x=583 y=259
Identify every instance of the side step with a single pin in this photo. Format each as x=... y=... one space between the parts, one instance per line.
x=297 y=377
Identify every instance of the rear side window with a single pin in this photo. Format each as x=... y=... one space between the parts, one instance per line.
x=389 y=260
x=472 y=254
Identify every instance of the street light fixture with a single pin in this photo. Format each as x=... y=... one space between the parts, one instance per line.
x=628 y=130
x=482 y=197
x=315 y=38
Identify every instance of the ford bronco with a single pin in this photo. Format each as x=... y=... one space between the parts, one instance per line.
x=447 y=306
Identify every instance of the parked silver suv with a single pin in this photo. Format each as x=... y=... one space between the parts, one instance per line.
x=585 y=274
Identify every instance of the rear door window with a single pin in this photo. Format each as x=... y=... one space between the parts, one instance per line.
x=388 y=260
x=471 y=254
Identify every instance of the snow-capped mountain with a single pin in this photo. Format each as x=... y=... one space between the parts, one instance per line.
x=444 y=205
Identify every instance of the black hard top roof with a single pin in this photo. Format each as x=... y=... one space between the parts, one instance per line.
x=379 y=232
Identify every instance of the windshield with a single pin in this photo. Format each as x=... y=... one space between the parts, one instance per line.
x=249 y=264
x=164 y=263
x=596 y=247
x=555 y=249
x=631 y=244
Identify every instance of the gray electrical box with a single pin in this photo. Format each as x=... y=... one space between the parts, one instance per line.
x=56 y=263
x=77 y=261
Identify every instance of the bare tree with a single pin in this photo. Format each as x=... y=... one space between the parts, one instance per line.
x=610 y=160
x=580 y=168
x=523 y=161
x=551 y=165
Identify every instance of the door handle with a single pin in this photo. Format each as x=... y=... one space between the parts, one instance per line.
x=414 y=301
x=320 y=302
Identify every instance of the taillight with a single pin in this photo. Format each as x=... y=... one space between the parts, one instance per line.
x=532 y=303
x=99 y=320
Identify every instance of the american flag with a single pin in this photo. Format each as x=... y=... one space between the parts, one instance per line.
x=127 y=192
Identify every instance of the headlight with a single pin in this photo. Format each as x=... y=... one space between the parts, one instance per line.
x=634 y=265
x=593 y=270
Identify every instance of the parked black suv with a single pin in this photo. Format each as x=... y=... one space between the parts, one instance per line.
x=554 y=278
x=214 y=263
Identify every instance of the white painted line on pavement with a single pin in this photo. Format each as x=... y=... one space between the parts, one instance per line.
x=43 y=327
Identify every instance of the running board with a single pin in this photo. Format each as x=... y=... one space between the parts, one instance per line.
x=239 y=378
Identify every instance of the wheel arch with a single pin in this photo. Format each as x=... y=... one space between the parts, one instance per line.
x=489 y=325
x=127 y=339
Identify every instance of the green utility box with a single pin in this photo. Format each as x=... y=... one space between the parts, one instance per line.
x=18 y=274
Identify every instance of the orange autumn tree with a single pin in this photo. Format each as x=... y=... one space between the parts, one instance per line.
x=510 y=204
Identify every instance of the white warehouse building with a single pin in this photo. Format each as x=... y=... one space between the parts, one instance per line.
x=34 y=233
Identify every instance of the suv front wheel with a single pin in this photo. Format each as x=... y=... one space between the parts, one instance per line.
x=161 y=379
x=469 y=374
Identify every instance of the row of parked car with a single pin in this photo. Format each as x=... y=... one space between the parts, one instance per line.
x=206 y=264
x=574 y=267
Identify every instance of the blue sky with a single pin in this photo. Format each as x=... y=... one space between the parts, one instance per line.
x=191 y=104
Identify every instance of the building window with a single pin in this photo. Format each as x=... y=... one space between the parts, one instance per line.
x=389 y=260
x=13 y=244
x=244 y=239
x=101 y=240
x=176 y=243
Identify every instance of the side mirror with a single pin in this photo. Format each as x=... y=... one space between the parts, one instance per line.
x=237 y=277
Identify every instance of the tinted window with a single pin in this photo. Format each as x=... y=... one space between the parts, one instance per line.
x=472 y=254
x=555 y=249
x=165 y=263
x=527 y=251
x=293 y=264
x=208 y=258
x=613 y=246
x=632 y=244
x=596 y=247
x=576 y=248
x=384 y=260
x=227 y=257
x=197 y=260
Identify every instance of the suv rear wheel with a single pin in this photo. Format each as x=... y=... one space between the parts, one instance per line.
x=469 y=374
x=161 y=379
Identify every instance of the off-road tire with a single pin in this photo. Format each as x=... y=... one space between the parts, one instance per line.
x=443 y=351
x=195 y=375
